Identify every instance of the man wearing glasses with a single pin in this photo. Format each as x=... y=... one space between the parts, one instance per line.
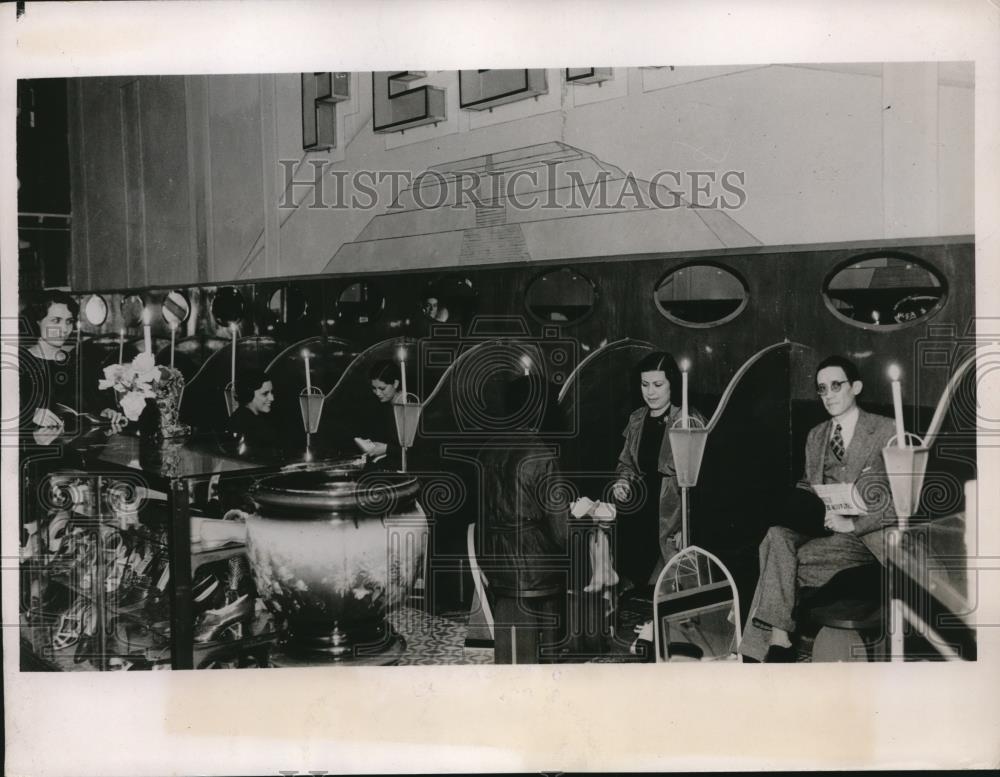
x=845 y=449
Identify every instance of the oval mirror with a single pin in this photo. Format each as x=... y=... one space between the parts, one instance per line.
x=176 y=308
x=562 y=296
x=95 y=310
x=701 y=295
x=449 y=298
x=884 y=291
x=229 y=306
x=360 y=303
x=288 y=304
x=132 y=307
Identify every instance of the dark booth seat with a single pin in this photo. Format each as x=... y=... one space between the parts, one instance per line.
x=203 y=404
x=329 y=359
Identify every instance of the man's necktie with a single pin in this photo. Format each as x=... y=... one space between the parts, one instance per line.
x=837 y=442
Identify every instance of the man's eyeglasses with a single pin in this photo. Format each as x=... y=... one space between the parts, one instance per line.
x=834 y=388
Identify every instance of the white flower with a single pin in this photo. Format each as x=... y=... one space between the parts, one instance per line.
x=133 y=404
x=112 y=374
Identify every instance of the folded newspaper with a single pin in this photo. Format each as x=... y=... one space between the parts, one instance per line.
x=842 y=498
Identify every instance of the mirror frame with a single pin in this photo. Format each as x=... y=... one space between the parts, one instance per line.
x=890 y=254
x=706 y=324
x=548 y=271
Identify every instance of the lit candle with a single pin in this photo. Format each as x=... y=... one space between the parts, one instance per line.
x=173 y=337
x=685 y=366
x=232 y=358
x=897 y=405
x=121 y=345
x=147 y=338
x=526 y=363
x=402 y=369
x=305 y=355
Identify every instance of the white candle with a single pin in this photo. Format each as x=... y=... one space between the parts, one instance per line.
x=173 y=337
x=147 y=338
x=685 y=366
x=305 y=355
x=121 y=345
x=232 y=362
x=402 y=369
x=897 y=405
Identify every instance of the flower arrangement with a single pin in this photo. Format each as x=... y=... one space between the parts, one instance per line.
x=134 y=383
x=142 y=380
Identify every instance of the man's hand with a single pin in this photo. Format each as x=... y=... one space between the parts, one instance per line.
x=838 y=523
x=622 y=490
x=46 y=418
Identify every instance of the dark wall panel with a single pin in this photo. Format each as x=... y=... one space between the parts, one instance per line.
x=169 y=254
x=104 y=183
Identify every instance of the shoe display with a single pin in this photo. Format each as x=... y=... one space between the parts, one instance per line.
x=74 y=556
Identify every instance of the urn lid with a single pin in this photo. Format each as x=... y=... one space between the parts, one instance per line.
x=334 y=489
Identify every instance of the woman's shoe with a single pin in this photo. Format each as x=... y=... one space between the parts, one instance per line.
x=213 y=625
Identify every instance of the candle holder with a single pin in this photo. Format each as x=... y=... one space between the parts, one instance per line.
x=906 y=468
x=407 y=420
x=230 y=394
x=687 y=443
x=688 y=446
x=311 y=404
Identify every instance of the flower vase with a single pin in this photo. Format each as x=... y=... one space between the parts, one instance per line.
x=149 y=422
x=168 y=402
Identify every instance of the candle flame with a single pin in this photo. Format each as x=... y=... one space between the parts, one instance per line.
x=526 y=362
x=685 y=365
x=402 y=353
x=894 y=372
x=305 y=353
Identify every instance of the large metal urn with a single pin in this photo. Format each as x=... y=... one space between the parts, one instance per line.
x=332 y=550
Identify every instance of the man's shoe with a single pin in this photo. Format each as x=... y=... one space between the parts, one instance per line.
x=776 y=654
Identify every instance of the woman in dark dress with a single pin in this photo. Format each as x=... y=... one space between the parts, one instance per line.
x=48 y=369
x=251 y=421
x=649 y=519
x=376 y=435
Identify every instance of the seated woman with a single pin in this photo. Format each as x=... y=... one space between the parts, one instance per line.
x=524 y=523
x=377 y=436
x=48 y=369
x=649 y=515
x=250 y=421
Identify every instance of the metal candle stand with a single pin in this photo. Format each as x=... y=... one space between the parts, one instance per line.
x=905 y=467
x=311 y=402
x=687 y=442
x=407 y=419
x=230 y=394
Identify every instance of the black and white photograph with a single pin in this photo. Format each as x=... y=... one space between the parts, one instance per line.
x=373 y=382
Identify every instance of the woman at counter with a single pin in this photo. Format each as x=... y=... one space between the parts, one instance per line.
x=250 y=421
x=48 y=368
x=646 y=487
x=378 y=437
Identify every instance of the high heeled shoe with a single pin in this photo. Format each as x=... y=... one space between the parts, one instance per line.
x=231 y=620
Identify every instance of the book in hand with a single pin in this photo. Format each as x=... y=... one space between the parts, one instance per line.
x=841 y=498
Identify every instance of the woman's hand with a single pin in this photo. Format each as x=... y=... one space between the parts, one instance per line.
x=118 y=420
x=46 y=418
x=622 y=490
x=378 y=450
